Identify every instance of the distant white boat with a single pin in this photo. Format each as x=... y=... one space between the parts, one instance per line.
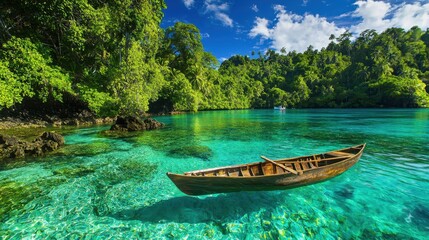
x=279 y=108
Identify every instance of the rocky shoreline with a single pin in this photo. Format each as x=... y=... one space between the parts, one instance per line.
x=13 y=147
x=12 y=122
x=132 y=124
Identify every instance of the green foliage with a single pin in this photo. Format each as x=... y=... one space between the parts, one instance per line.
x=182 y=51
x=101 y=103
x=102 y=44
x=387 y=69
x=28 y=68
x=137 y=81
x=116 y=57
x=179 y=91
x=278 y=97
x=238 y=83
x=10 y=88
x=403 y=92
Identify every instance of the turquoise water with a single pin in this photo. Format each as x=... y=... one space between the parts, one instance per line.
x=115 y=187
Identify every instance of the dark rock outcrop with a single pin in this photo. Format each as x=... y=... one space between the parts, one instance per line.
x=42 y=122
x=8 y=140
x=51 y=136
x=12 y=147
x=131 y=124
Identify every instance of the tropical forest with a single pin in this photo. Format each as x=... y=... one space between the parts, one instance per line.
x=112 y=57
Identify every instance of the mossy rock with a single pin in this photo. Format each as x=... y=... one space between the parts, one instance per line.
x=131 y=124
x=90 y=149
x=126 y=170
x=119 y=134
x=26 y=134
x=112 y=175
x=74 y=172
x=15 y=195
x=202 y=152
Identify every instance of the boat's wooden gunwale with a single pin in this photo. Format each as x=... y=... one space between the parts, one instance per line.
x=265 y=175
x=286 y=160
x=257 y=176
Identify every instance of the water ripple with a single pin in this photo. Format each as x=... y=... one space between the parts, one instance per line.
x=101 y=187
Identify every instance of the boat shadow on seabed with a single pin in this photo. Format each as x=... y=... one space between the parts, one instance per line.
x=199 y=210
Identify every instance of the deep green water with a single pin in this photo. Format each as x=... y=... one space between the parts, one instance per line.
x=100 y=187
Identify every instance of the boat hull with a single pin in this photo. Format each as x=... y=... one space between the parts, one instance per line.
x=201 y=185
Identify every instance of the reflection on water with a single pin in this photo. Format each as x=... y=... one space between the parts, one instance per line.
x=114 y=186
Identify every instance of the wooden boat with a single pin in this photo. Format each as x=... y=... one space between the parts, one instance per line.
x=269 y=175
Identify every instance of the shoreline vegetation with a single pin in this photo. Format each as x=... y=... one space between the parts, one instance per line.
x=79 y=63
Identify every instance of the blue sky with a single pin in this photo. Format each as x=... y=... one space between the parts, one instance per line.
x=230 y=27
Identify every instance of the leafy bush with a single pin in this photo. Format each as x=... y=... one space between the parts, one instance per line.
x=27 y=68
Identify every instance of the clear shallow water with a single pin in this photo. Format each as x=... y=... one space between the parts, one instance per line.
x=100 y=187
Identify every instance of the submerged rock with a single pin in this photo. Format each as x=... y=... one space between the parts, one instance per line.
x=15 y=195
x=420 y=216
x=202 y=152
x=125 y=171
x=114 y=178
x=74 y=171
x=135 y=124
x=8 y=140
x=346 y=192
x=90 y=149
x=12 y=147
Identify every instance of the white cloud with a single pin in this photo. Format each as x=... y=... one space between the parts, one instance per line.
x=218 y=10
x=295 y=32
x=344 y=15
x=205 y=35
x=224 y=18
x=373 y=14
x=380 y=15
x=188 y=3
x=261 y=28
x=410 y=15
x=255 y=8
x=304 y=3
